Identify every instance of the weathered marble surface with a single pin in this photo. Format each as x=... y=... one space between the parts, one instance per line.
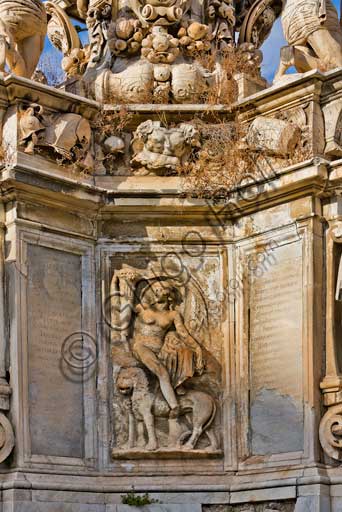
x=263 y=507
x=277 y=420
x=245 y=316
x=54 y=314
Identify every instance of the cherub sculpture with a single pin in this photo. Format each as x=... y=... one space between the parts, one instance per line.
x=158 y=149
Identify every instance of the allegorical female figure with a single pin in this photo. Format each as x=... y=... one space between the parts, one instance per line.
x=162 y=343
x=312 y=29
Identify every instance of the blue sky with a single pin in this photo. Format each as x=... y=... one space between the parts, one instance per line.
x=271 y=49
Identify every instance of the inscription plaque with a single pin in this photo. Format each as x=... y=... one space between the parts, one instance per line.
x=276 y=353
x=54 y=302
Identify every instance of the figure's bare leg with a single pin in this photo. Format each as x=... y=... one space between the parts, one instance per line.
x=328 y=48
x=150 y=360
x=30 y=50
x=151 y=433
x=131 y=430
x=167 y=389
x=141 y=435
x=175 y=432
x=304 y=60
x=15 y=61
x=299 y=57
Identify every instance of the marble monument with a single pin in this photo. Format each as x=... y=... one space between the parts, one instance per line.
x=170 y=258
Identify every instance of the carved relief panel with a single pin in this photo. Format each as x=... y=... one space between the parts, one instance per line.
x=165 y=316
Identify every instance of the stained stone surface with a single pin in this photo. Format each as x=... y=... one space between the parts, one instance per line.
x=159 y=508
x=216 y=381
x=261 y=507
x=54 y=313
x=277 y=420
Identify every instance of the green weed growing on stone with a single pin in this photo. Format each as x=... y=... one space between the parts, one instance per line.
x=135 y=500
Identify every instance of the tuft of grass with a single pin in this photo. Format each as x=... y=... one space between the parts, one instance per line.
x=136 y=500
x=223 y=161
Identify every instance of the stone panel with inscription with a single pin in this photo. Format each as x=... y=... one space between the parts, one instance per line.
x=54 y=302
x=276 y=403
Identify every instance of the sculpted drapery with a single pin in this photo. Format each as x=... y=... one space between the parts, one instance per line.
x=301 y=18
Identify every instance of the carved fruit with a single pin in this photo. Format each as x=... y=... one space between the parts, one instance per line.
x=171 y=57
x=124 y=28
x=138 y=36
x=197 y=30
x=161 y=43
x=145 y=52
x=133 y=47
x=162 y=73
x=114 y=145
x=120 y=45
x=185 y=41
x=147 y=42
x=181 y=32
x=174 y=42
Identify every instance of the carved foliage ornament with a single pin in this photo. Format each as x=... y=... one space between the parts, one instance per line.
x=258 y=21
x=330 y=432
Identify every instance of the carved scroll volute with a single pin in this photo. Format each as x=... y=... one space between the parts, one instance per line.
x=330 y=432
x=61 y=32
x=259 y=20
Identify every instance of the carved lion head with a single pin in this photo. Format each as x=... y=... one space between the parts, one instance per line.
x=129 y=379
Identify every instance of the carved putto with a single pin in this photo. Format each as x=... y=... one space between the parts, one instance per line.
x=166 y=370
x=159 y=150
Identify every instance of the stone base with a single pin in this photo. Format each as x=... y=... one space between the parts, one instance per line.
x=163 y=453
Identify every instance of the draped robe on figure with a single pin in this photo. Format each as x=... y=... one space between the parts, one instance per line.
x=301 y=18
